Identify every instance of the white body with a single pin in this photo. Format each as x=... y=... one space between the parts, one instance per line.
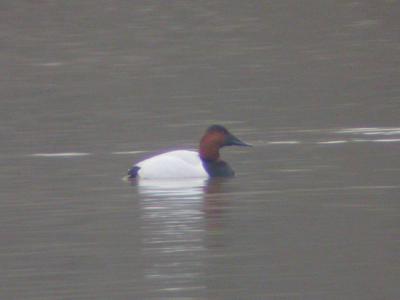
x=173 y=164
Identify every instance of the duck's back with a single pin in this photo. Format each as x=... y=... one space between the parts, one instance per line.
x=173 y=164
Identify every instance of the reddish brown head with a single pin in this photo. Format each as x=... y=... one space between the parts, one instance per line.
x=216 y=137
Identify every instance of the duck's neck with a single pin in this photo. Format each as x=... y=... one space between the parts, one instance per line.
x=209 y=154
x=209 y=151
x=209 y=147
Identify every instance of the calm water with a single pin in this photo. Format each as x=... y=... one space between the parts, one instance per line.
x=89 y=88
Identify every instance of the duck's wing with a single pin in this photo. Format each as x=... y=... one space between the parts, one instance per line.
x=173 y=164
x=188 y=156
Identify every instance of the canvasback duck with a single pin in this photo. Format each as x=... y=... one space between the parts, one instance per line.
x=203 y=163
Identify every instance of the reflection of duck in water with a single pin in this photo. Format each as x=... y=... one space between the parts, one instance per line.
x=191 y=164
x=189 y=188
x=176 y=230
x=192 y=188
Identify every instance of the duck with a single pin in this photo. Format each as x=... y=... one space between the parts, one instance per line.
x=204 y=163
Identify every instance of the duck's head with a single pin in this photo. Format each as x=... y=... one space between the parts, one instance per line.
x=216 y=137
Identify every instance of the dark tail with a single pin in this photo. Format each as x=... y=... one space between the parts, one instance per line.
x=133 y=172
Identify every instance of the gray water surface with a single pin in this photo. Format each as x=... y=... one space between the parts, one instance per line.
x=88 y=88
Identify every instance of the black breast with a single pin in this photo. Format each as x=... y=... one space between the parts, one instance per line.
x=218 y=169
